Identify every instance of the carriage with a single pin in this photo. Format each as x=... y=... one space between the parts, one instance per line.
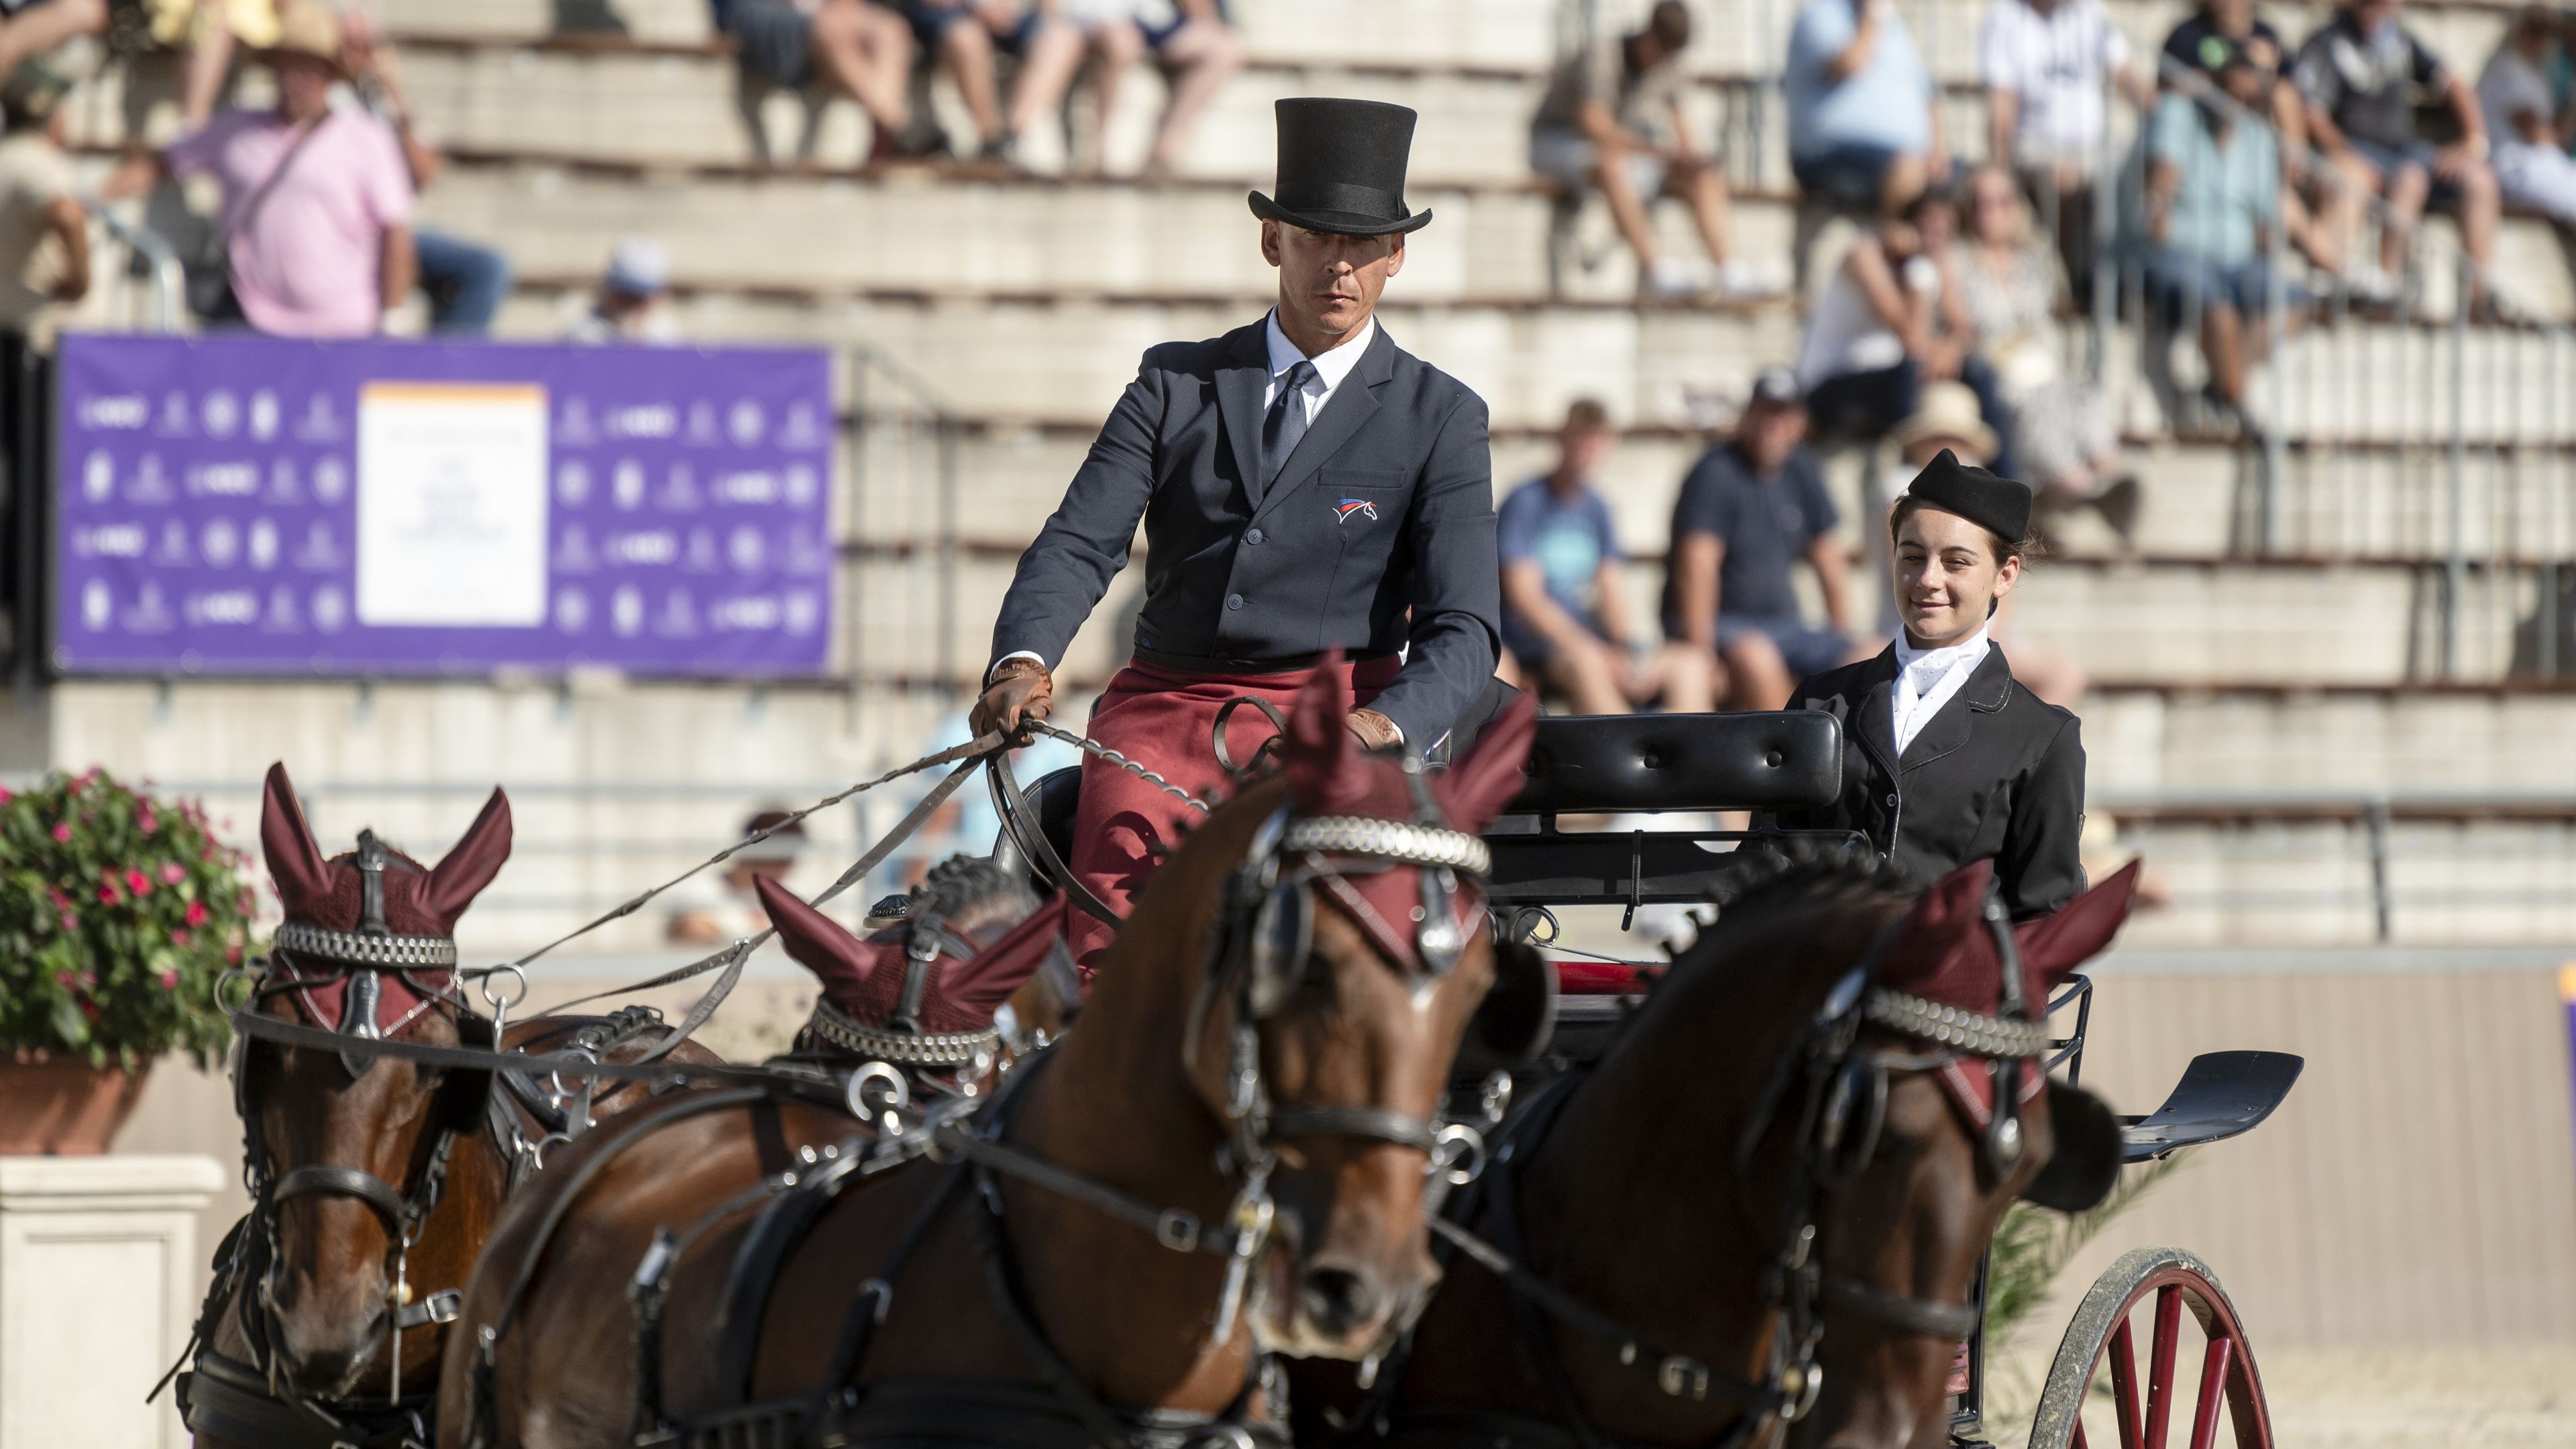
x=1665 y=765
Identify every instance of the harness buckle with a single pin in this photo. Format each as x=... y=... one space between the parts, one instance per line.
x=1458 y=1154
x=1178 y=1230
x=1683 y=1377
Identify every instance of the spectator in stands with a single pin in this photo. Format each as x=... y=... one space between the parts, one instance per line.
x=2193 y=54
x=1613 y=120
x=1890 y=319
x=316 y=220
x=863 y=51
x=704 y=912
x=1752 y=507
x=2532 y=169
x=466 y=281
x=1190 y=42
x=1566 y=617
x=44 y=231
x=2008 y=285
x=633 y=300
x=967 y=35
x=2359 y=75
x=31 y=30
x=1864 y=133
x=2213 y=197
x=2048 y=67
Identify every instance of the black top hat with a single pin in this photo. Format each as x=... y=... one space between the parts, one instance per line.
x=1991 y=501
x=1341 y=168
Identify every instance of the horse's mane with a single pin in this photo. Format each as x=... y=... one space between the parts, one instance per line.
x=971 y=893
x=1764 y=879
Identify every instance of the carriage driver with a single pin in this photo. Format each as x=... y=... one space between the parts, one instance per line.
x=1305 y=484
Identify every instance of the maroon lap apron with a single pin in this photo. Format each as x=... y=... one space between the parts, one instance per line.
x=1162 y=718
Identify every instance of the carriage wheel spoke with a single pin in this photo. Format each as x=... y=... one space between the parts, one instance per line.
x=2214 y=1368
x=2079 y=1430
x=2160 y=1367
x=2124 y=1384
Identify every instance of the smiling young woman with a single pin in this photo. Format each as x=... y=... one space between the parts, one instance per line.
x=1946 y=757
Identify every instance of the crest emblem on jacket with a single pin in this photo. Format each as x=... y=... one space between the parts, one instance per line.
x=1360 y=506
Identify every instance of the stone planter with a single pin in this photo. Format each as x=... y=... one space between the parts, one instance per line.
x=63 y=1107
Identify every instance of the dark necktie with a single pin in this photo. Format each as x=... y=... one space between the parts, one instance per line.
x=1287 y=420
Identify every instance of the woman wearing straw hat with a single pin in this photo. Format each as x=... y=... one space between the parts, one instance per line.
x=1947 y=758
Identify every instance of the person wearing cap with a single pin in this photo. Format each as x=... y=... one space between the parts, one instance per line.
x=44 y=230
x=317 y=199
x=633 y=300
x=1313 y=496
x=1566 y=615
x=1947 y=758
x=728 y=908
x=1751 y=509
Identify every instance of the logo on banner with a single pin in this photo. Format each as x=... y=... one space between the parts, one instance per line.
x=1360 y=506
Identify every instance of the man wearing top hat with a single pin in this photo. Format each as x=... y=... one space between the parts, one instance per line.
x=1946 y=757
x=1306 y=486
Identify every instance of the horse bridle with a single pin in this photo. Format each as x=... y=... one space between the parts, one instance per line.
x=359 y=959
x=901 y=1041
x=1841 y=1111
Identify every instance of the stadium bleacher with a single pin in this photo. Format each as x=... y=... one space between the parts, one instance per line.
x=2351 y=658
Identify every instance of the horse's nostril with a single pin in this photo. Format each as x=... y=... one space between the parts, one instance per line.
x=1338 y=1300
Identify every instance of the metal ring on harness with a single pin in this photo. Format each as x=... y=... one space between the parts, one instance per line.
x=896 y=1093
x=501 y=1006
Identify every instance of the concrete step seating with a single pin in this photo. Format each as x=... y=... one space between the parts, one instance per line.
x=618 y=785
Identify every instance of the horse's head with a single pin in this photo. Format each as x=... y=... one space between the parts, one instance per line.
x=348 y=1149
x=921 y=995
x=1916 y=1111
x=1340 y=941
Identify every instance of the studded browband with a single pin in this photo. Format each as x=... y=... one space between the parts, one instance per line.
x=928 y=1049
x=1395 y=840
x=397 y=953
x=2001 y=1037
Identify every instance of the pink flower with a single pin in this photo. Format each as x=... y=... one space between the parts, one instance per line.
x=90 y=1010
x=107 y=895
x=139 y=883
x=62 y=978
x=196 y=913
x=232 y=954
x=147 y=820
x=178 y=938
x=169 y=980
x=62 y=834
x=70 y=921
x=7 y=794
x=172 y=872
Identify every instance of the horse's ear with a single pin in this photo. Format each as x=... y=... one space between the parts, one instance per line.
x=1474 y=790
x=295 y=860
x=468 y=867
x=2054 y=945
x=841 y=961
x=1327 y=775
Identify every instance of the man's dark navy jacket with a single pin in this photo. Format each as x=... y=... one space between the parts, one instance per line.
x=1378 y=533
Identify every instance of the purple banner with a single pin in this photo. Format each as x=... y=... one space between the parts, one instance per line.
x=262 y=506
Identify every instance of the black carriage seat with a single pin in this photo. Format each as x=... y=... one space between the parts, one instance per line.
x=1049 y=800
x=2221 y=1095
x=1654 y=764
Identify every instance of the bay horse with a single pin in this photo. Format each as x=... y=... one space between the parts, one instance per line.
x=374 y=1182
x=1765 y=1207
x=1228 y=1152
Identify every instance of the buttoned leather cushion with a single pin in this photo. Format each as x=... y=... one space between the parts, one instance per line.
x=1783 y=760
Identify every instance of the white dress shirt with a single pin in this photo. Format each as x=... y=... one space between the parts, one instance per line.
x=1330 y=367
x=1927 y=678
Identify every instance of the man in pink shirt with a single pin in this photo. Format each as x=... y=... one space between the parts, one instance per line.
x=316 y=199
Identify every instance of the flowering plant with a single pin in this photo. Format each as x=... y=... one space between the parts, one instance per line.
x=117 y=914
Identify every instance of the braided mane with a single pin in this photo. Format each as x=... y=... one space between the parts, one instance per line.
x=970 y=892
x=1800 y=866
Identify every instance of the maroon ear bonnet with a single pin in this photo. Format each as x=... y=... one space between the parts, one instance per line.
x=418 y=901
x=330 y=894
x=863 y=979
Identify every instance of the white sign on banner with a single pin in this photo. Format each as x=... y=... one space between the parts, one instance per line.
x=452 y=504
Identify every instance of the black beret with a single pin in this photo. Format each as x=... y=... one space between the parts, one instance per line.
x=1988 y=500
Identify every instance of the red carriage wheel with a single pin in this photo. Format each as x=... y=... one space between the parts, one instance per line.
x=2147 y=1292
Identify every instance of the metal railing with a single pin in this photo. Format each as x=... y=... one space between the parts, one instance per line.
x=149 y=259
